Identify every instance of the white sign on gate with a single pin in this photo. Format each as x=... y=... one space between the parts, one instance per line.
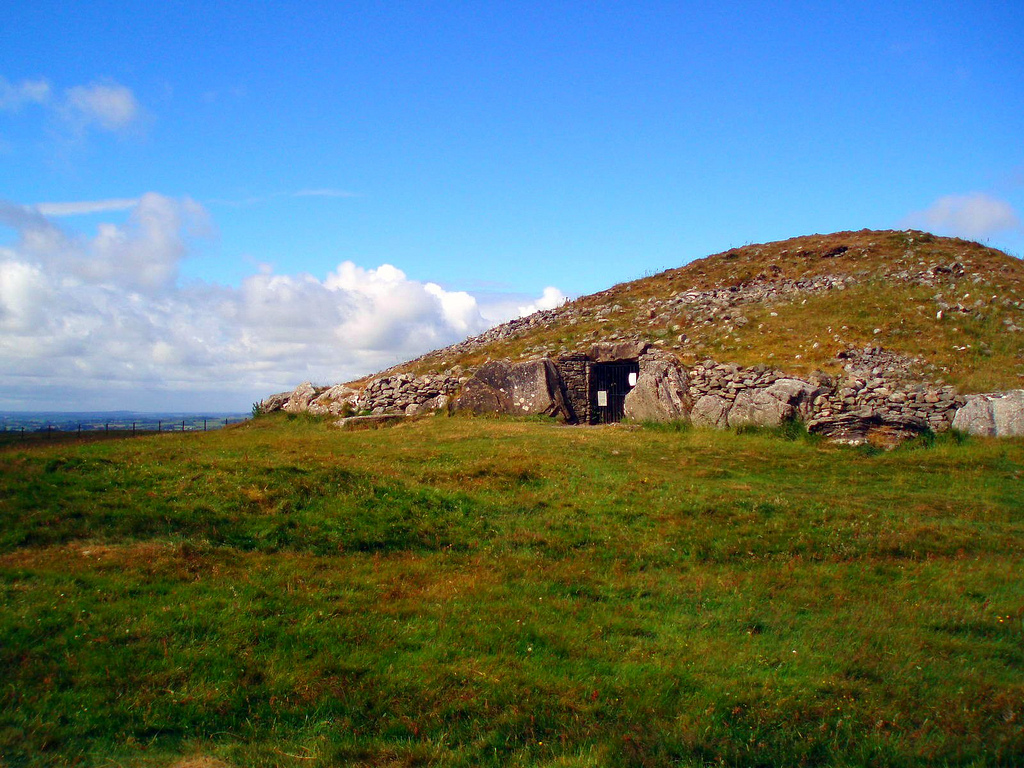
x=602 y=398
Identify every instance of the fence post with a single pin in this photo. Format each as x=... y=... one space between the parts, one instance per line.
x=159 y=426
x=204 y=425
x=133 y=429
x=49 y=431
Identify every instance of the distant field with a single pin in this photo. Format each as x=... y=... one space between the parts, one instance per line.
x=35 y=426
x=510 y=593
x=105 y=421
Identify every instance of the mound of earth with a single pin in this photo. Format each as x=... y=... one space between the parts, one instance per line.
x=893 y=327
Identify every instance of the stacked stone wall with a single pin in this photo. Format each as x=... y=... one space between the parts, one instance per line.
x=871 y=391
x=406 y=393
x=877 y=385
x=575 y=373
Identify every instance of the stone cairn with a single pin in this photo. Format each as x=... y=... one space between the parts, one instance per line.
x=878 y=389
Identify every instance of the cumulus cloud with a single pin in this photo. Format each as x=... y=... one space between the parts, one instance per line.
x=549 y=299
x=976 y=216
x=106 y=106
x=101 y=321
x=499 y=307
x=13 y=96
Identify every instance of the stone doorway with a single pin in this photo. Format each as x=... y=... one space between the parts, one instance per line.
x=609 y=385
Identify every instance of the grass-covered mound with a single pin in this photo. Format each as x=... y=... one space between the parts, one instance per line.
x=485 y=592
x=955 y=307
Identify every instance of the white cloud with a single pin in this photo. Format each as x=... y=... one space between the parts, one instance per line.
x=108 y=105
x=101 y=321
x=549 y=299
x=86 y=207
x=13 y=96
x=976 y=216
x=499 y=307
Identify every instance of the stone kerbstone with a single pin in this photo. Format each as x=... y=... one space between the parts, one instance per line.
x=333 y=401
x=536 y=389
x=494 y=374
x=660 y=394
x=531 y=388
x=784 y=400
x=710 y=411
x=274 y=402
x=759 y=408
x=300 y=399
x=478 y=397
x=995 y=414
x=439 y=403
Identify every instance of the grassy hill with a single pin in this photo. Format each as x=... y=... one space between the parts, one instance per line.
x=465 y=592
x=951 y=305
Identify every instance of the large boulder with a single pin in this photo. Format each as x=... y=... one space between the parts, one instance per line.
x=784 y=400
x=996 y=414
x=536 y=389
x=495 y=374
x=531 y=388
x=479 y=397
x=660 y=394
x=274 y=402
x=613 y=351
x=710 y=411
x=300 y=399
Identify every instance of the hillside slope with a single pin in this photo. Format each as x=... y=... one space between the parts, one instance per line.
x=949 y=307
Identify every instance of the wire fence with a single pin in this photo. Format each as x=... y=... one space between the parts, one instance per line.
x=114 y=427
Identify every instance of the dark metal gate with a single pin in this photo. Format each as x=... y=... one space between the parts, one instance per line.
x=609 y=385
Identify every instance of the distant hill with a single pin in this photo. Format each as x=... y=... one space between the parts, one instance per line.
x=951 y=307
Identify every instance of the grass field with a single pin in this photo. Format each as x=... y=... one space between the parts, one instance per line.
x=510 y=593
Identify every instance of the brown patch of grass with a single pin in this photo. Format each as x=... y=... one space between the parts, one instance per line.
x=86 y=555
x=200 y=761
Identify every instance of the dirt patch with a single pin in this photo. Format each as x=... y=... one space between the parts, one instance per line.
x=200 y=761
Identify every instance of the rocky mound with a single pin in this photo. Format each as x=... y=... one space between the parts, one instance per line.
x=892 y=328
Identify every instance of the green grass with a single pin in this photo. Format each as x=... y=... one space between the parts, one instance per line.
x=494 y=592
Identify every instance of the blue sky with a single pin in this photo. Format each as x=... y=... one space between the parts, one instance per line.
x=182 y=181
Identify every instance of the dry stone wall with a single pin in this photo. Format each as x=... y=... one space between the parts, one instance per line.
x=875 y=385
x=400 y=393
x=883 y=383
x=879 y=390
x=575 y=372
x=405 y=393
